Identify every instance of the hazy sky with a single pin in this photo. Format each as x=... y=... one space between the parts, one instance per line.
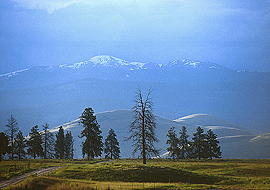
x=233 y=33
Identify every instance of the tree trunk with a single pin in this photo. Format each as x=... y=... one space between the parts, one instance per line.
x=111 y=150
x=143 y=138
x=199 y=154
x=12 y=153
x=45 y=148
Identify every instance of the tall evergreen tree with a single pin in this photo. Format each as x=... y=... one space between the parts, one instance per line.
x=212 y=148
x=92 y=146
x=112 y=149
x=12 y=130
x=198 y=144
x=69 y=151
x=143 y=127
x=4 y=145
x=60 y=144
x=35 y=143
x=48 y=139
x=20 y=145
x=183 y=143
x=173 y=143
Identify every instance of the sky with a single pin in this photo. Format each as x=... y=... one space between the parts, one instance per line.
x=235 y=34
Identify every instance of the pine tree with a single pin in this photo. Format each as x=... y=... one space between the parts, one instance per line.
x=60 y=144
x=20 y=145
x=173 y=143
x=143 y=127
x=198 y=144
x=4 y=145
x=212 y=148
x=35 y=143
x=183 y=144
x=12 y=132
x=111 y=149
x=92 y=146
x=69 y=145
x=48 y=139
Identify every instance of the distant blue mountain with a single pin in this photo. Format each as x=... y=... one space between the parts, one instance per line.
x=58 y=94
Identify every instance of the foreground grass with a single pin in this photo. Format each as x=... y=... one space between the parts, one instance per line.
x=157 y=174
x=50 y=183
x=9 y=169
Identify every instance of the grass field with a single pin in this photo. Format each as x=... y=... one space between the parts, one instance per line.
x=10 y=169
x=156 y=174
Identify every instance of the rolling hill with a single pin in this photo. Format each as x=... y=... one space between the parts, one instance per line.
x=235 y=141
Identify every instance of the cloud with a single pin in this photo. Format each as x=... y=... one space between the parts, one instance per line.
x=48 y=5
x=51 y=5
x=222 y=31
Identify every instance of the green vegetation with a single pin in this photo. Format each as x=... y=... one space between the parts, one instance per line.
x=12 y=130
x=39 y=144
x=4 y=145
x=111 y=149
x=92 y=146
x=9 y=169
x=157 y=174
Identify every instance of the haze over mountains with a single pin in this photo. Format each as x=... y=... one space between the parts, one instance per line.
x=59 y=94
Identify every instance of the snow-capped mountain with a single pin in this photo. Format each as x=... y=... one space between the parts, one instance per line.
x=113 y=62
x=106 y=61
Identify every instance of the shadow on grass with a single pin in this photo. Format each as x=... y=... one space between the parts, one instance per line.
x=35 y=183
x=141 y=174
x=45 y=183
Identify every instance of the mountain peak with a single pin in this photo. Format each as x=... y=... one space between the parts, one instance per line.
x=107 y=61
x=186 y=63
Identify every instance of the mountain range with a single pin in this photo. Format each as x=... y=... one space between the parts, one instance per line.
x=113 y=62
x=59 y=94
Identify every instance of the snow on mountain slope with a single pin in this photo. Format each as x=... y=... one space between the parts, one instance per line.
x=113 y=62
x=223 y=128
x=261 y=137
x=210 y=121
x=105 y=61
x=193 y=64
x=14 y=73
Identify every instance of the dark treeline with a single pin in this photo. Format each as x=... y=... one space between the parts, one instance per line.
x=44 y=144
x=37 y=144
x=202 y=145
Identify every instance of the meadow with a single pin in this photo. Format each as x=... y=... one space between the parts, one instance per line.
x=156 y=174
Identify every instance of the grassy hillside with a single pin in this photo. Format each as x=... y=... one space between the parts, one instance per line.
x=156 y=174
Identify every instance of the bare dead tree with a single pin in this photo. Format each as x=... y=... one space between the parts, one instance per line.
x=143 y=127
